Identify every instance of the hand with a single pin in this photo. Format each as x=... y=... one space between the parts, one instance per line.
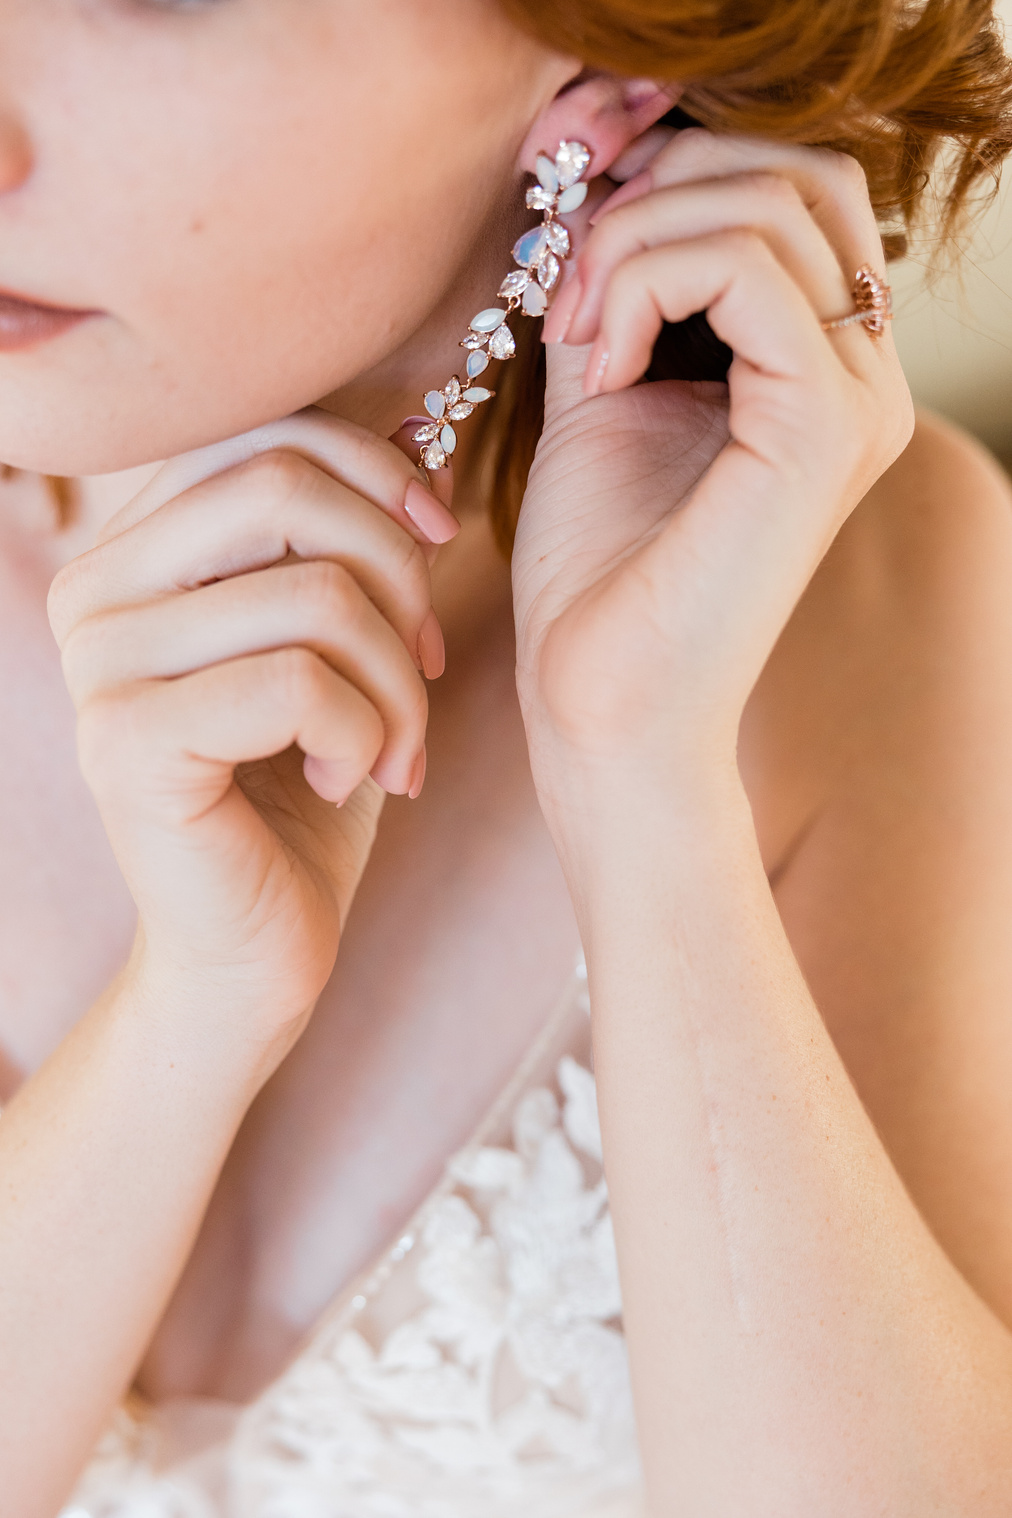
x=669 y=529
x=243 y=648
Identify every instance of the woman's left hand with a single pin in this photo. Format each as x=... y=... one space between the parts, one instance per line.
x=669 y=529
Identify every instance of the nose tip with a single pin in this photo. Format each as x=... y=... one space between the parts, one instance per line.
x=15 y=154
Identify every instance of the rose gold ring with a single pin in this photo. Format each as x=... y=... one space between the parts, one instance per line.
x=873 y=300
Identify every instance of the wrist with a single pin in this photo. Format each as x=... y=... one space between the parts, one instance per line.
x=212 y=1013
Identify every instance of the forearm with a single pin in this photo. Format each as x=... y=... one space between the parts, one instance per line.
x=107 y=1159
x=799 y=1342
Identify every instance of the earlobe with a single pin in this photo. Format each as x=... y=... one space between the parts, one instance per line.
x=604 y=111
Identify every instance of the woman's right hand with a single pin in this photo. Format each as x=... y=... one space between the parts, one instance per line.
x=243 y=648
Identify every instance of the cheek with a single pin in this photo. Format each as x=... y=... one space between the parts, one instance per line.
x=296 y=225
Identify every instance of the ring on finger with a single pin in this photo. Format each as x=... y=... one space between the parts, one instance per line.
x=873 y=301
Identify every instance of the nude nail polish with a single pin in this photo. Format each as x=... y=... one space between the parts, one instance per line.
x=560 y=318
x=429 y=515
x=597 y=366
x=431 y=648
x=418 y=775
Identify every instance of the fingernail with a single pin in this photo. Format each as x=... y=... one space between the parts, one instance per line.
x=413 y=421
x=560 y=317
x=597 y=365
x=431 y=648
x=417 y=775
x=429 y=515
x=633 y=189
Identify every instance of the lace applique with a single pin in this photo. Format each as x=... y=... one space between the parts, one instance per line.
x=481 y=1371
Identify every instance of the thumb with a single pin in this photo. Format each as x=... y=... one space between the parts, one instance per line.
x=566 y=367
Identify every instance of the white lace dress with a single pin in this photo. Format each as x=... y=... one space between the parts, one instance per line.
x=478 y=1370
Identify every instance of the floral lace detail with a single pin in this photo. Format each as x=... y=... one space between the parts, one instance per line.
x=479 y=1373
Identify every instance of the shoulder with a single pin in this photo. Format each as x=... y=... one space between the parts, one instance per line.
x=902 y=645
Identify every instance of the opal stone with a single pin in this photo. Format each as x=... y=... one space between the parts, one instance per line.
x=435 y=403
x=487 y=320
x=501 y=344
x=529 y=248
x=448 y=439
x=535 y=301
x=477 y=363
x=571 y=161
x=477 y=394
x=547 y=174
x=572 y=198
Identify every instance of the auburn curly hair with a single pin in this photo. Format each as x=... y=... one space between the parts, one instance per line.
x=918 y=91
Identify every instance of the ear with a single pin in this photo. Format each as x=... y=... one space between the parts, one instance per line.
x=603 y=111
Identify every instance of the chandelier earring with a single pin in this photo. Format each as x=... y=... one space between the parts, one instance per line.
x=538 y=255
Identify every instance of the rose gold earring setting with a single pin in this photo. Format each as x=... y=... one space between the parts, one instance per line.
x=538 y=255
x=873 y=300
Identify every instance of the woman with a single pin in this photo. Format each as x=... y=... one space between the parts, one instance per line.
x=757 y=767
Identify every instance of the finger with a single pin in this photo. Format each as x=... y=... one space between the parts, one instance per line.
x=832 y=185
x=316 y=605
x=177 y=742
x=751 y=302
x=641 y=152
x=766 y=203
x=260 y=513
x=364 y=463
x=439 y=481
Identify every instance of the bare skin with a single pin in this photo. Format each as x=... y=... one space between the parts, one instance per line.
x=361 y=1158
x=743 y=623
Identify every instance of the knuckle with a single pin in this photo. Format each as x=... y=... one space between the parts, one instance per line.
x=774 y=186
x=325 y=590
x=278 y=476
x=297 y=674
x=845 y=167
x=61 y=603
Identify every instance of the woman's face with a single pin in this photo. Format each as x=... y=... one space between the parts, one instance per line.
x=261 y=201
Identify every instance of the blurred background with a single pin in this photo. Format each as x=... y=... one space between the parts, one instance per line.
x=955 y=336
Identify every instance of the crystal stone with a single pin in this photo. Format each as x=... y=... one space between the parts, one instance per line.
x=515 y=283
x=540 y=199
x=477 y=394
x=452 y=392
x=529 y=248
x=477 y=363
x=487 y=320
x=435 y=403
x=425 y=434
x=547 y=173
x=501 y=344
x=448 y=438
x=461 y=412
x=548 y=271
x=535 y=300
x=475 y=340
x=558 y=239
x=571 y=199
x=434 y=457
x=571 y=161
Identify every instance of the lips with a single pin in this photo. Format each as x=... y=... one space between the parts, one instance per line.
x=26 y=323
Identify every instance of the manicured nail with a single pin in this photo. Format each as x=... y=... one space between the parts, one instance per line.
x=429 y=515
x=413 y=421
x=431 y=648
x=633 y=189
x=597 y=365
x=417 y=775
x=560 y=317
